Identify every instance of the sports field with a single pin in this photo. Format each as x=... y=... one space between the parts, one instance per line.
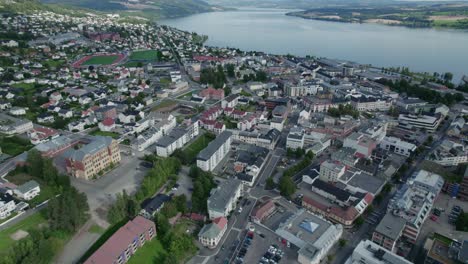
x=149 y=55
x=101 y=60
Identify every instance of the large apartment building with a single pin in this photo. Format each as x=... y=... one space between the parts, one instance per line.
x=91 y=156
x=397 y=146
x=408 y=210
x=223 y=199
x=176 y=139
x=371 y=253
x=124 y=243
x=429 y=123
x=216 y=150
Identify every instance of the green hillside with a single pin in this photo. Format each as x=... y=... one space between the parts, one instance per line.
x=145 y=8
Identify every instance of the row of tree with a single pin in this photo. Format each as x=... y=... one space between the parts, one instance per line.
x=286 y=185
x=163 y=170
x=212 y=76
x=202 y=185
x=343 y=110
x=429 y=95
x=177 y=245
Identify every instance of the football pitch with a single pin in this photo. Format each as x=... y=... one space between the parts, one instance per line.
x=101 y=60
x=149 y=55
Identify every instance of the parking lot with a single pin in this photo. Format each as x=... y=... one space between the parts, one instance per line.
x=259 y=245
x=441 y=224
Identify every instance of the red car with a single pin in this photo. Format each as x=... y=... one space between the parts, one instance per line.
x=433 y=218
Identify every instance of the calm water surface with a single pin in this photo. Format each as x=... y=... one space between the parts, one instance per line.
x=425 y=50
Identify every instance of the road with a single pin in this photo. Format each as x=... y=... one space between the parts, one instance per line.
x=23 y=216
x=101 y=193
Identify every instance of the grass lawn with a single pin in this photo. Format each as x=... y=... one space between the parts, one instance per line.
x=164 y=104
x=46 y=193
x=26 y=86
x=131 y=64
x=14 y=145
x=32 y=221
x=442 y=238
x=149 y=55
x=101 y=60
x=8 y=218
x=96 y=229
x=105 y=133
x=54 y=63
x=198 y=145
x=151 y=252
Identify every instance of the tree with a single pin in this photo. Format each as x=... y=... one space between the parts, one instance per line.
x=162 y=225
x=270 y=184
x=359 y=221
x=35 y=163
x=287 y=186
x=181 y=203
x=68 y=212
x=230 y=70
x=448 y=76
x=342 y=242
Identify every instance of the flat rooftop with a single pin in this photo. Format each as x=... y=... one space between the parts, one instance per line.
x=302 y=228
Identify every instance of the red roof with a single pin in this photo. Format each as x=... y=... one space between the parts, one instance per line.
x=219 y=125
x=120 y=240
x=108 y=122
x=260 y=212
x=221 y=222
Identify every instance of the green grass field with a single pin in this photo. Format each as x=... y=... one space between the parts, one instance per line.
x=148 y=55
x=198 y=145
x=164 y=104
x=14 y=145
x=101 y=60
x=105 y=134
x=32 y=221
x=151 y=252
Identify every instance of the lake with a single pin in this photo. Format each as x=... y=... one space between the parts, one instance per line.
x=271 y=31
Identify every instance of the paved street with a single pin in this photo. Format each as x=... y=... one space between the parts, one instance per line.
x=101 y=193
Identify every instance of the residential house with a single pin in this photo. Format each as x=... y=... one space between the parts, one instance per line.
x=28 y=190
x=210 y=235
x=7 y=205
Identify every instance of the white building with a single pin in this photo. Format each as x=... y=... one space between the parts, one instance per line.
x=176 y=139
x=313 y=236
x=28 y=190
x=369 y=252
x=210 y=235
x=17 y=111
x=398 y=146
x=363 y=144
x=372 y=104
x=304 y=89
x=223 y=199
x=449 y=153
x=216 y=150
x=331 y=171
x=157 y=130
x=10 y=125
x=295 y=138
x=428 y=123
x=7 y=205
